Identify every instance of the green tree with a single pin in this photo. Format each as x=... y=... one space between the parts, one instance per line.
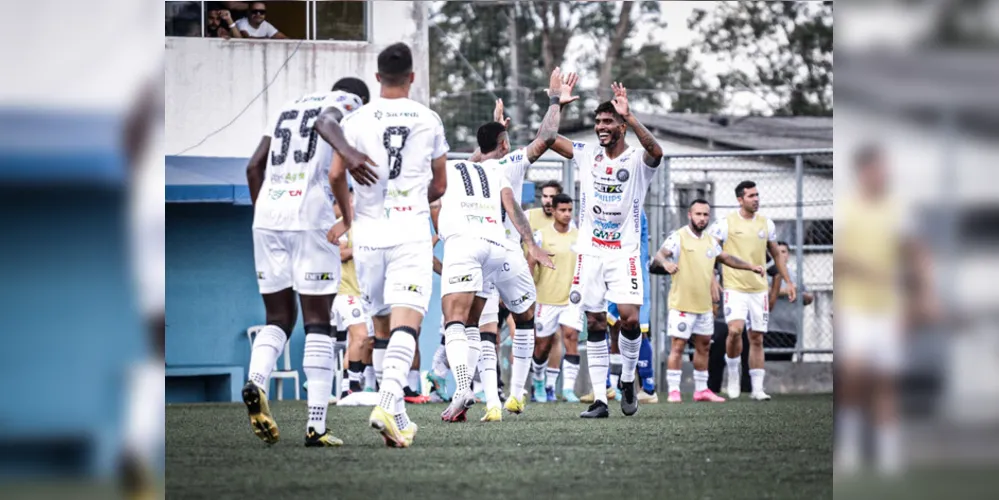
x=788 y=46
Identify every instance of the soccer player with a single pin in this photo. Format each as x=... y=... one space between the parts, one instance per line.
x=405 y=142
x=292 y=213
x=554 y=312
x=613 y=179
x=689 y=256
x=645 y=369
x=748 y=235
x=351 y=315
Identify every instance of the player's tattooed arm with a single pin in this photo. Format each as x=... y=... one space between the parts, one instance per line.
x=653 y=152
x=559 y=87
x=792 y=290
x=660 y=263
x=357 y=163
x=257 y=167
x=523 y=225
x=737 y=263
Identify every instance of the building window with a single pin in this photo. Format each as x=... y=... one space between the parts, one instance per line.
x=340 y=21
x=313 y=20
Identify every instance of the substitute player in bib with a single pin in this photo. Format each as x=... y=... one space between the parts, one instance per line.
x=392 y=239
x=351 y=316
x=689 y=256
x=293 y=210
x=749 y=236
x=613 y=180
x=554 y=312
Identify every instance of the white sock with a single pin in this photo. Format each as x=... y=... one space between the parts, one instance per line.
x=401 y=417
x=378 y=361
x=570 y=373
x=398 y=358
x=629 y=355
x=889 y=449
x=552 y=377
x=267 y=348
x=344 y=383
x=700 y=380
x=523 y=348
x=474 y=346
x=369 y=376
x=756 y=376
x=317 y=363
x=848 y=437
x=538 y=369
x=733 y=365
x=487 y=372
x=144 y=434
x=440 y=362
x=456 y=346
x=414 y=380
x=597 y=357
x=673 y=379
x=477 y=386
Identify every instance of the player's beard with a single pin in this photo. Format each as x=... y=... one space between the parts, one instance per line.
x=700 y=227
x=547 y=209
x=615 y=136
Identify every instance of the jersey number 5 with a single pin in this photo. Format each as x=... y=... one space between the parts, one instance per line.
x=305 y=130
x=394 y=139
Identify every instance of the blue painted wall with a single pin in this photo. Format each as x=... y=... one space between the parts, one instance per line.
x=212 y=295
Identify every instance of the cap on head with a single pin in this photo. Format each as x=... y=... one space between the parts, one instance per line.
x=395 y=64
x=354 y=86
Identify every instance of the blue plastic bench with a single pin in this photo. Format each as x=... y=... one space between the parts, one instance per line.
x=221 y=383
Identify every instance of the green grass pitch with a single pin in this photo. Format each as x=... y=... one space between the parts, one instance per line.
x=742 y=449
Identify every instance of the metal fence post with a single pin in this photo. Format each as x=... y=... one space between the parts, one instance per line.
x=799 y=251
x=658 y=327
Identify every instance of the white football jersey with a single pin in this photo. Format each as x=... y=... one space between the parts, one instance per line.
x=514 y=166
x=296 y=192
x=402 y=137
x=472 y=204
x=610 y=201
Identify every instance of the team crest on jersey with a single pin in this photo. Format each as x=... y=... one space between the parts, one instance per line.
x=711 y=253
x=762 y=234
x=682 y=327
x=357 y=313
x=622 y=175
x=575 y=297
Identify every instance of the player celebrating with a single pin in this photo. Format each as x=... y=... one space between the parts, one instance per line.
x=554 y=312
x=689 y=256
x=405 y=142
x=748 y=235
x=292 y=213
x=614 y=179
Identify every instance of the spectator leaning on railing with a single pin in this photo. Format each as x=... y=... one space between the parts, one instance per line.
x=256 y=25
x=219 y=24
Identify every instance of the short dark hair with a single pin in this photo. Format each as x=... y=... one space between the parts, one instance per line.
x=867 y=155
x=354 y=86
x=608 y=107
x=395 y=64
x=699 y=200
x=488 y=136
x=552 y=184
x=560 y=199
x=782 y=243
x=740 y=190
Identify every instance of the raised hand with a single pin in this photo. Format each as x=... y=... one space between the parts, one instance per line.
x=620 y=100
x=498 y=114
x=569 y=81
x=555 y=82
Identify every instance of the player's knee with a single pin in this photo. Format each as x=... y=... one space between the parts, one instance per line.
x=756 y=339
x=285 y=326
x=734 y=331
x=570 y=336
x=630 y=329
x=407 y=330
x=320 y=329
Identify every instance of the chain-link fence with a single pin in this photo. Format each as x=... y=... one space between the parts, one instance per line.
x=796 y=193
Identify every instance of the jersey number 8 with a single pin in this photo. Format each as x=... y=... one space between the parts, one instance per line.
x=394 y=140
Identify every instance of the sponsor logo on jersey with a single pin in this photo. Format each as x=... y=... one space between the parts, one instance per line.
x=609 y=171
x=579 y=267
x=474 y=205
x=606 y=244
x=608 y=188
x=481 y=220
x=378 y=115
x=636 y=213
x=351 y=300
x=260 y=275
x=320 y=276
x=624 y=159
x=606 y=235
x=599 y=211
x=460 y=279
x=623 y=175
x=578 y=145
x=389 y=210
x=356 y=313
x=600 y=157
x=297 y=192
x=609 y=198
x=632 y=266
x=397 y=192
x=506 y=267
x=276 y=193
x=682 y=327
x=409 y=288
x=574 y=297
x=608 y=225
